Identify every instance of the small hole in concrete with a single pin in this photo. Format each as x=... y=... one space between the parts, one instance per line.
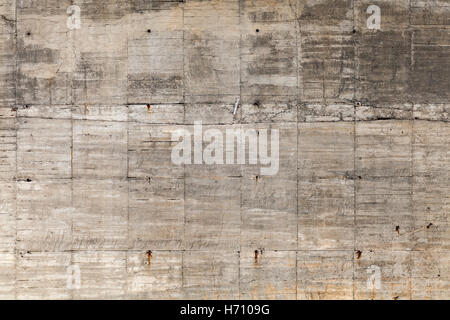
x=28 y=33
x=149 y=31
x=257 y=30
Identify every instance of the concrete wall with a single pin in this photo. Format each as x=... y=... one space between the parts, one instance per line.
x=358 y=210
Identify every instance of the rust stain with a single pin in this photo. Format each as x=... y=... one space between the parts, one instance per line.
x=149 y=107
x=149 y=257
x=358 y=256
x=258 y=252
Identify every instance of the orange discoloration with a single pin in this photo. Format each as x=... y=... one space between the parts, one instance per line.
x=258 y=255
x=149 y=107
x=271 y=291
x=373 y=293
x=327 y=291
x=410 y=288
x=149 y=257
x=358 y=256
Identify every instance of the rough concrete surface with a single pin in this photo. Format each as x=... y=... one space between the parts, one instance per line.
x=91 y=205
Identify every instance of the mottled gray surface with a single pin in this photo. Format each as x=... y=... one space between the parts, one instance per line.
x=86 y=180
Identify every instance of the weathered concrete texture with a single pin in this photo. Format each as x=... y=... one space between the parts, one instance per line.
x=268 y=51
x=7 y=52
x=359 y=208
x=8 y=193
x=326 y=186
x=211 y=50
x=326 y=50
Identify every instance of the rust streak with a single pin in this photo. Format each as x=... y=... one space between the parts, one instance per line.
x=149 y=258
